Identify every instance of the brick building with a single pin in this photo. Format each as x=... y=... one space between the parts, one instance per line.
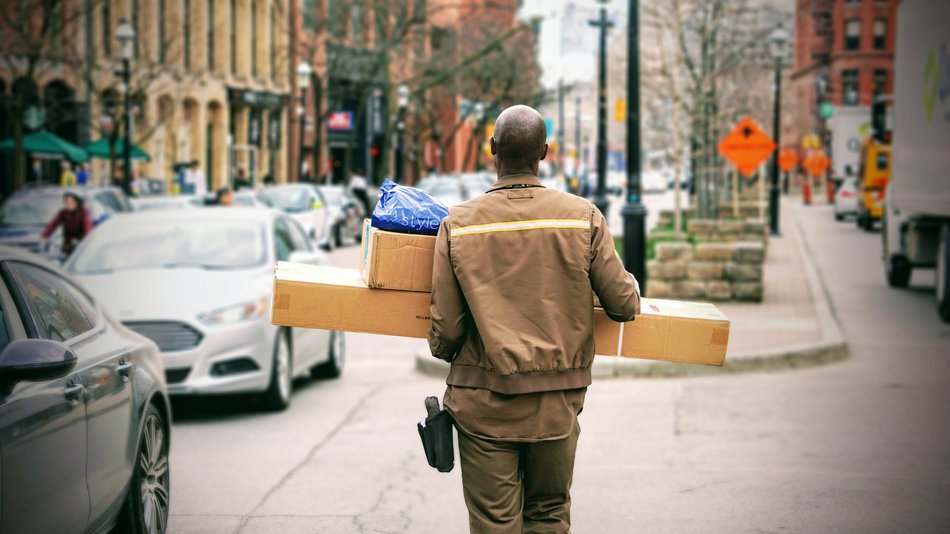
x=844 y=52
x=210 y=81
x=360 y=52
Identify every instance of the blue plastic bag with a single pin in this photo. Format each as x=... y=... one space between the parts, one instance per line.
x=407 y=210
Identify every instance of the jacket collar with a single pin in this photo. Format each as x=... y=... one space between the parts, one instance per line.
x=516 y=179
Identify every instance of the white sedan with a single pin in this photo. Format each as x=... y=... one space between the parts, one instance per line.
x=846 y=199
x=199 y=284
x=304 y=203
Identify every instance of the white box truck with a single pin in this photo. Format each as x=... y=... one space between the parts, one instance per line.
x=916 y=222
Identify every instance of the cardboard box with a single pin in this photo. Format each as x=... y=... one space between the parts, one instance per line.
x=390 y=260
x=337 y=299
x=676 y=331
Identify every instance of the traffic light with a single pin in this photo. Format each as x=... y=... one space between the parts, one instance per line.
x=879 y=126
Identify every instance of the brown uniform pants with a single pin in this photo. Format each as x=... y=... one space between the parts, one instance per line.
x=516 y=487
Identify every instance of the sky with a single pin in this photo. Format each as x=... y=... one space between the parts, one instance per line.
x=577 y=60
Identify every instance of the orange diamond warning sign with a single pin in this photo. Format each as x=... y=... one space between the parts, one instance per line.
x=746 y=146
x=787 y=159
x=817 y=163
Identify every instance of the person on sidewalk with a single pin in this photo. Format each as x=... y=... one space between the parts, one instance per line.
x=512 y=311
x=66 y=176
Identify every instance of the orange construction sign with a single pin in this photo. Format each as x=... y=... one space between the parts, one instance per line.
x=817 y=163
x=787 y=159
x=747 y=146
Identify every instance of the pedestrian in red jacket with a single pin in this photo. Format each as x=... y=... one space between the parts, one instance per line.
x=75 y=220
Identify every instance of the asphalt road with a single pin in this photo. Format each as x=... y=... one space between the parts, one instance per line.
x=857 y=446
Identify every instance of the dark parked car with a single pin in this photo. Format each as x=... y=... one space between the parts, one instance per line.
x=84 y=417
x=25 y=213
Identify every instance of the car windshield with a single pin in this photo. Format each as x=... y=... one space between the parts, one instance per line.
x=290 y=199
x=33 y=210
x=177 y=243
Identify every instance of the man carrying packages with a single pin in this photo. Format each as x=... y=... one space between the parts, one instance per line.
x=512 y=311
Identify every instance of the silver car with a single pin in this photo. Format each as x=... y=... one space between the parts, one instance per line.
x=199 y=283
x=84 y=416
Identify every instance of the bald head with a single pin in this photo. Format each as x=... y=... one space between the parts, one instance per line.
x=519 y=138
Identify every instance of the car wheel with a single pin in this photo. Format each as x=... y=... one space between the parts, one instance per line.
x=333 y=367
x=146 y=504
x=839 y=217
x=277 y=396
x=943 y=274
x=898 y=271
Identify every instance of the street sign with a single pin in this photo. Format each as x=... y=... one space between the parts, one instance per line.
x=826 y=110
x=746 y=146
x=620 y=110
x=34 y=117
x=817 y=163
x=787 y=159
x=340 y=121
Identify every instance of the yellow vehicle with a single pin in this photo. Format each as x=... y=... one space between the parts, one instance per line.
x=873 y=175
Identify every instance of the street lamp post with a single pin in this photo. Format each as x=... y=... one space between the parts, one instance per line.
x=402 y=99
x=778 y=40
x=633 y=211
x=600 y=194
x=125 y=34
x=303 y=82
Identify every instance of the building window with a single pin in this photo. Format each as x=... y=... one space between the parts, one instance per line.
x=337 y=21
x=356 y=22
x=233 y=37
x=273 y=43
x=161 y=31
x=56 y=27
x=106 y=29
x=880 y=82
x=254 y=40
x=850 y=87
x=210 y=46
x=880 y=34
x=135 y=28
x=186 y=34
x=852 y=34
x=310 y=15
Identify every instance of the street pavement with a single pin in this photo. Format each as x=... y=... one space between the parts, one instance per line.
x=861 y=445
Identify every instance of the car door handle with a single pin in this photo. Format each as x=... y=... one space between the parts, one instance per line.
x=125 y=368
x=72 y=391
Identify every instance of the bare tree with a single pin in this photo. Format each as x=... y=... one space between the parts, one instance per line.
x=708 y=65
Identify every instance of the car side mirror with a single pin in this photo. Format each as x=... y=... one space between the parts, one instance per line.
x=35 y=360
x=306 y=256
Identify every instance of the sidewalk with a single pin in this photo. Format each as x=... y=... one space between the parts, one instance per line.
x=793 y=327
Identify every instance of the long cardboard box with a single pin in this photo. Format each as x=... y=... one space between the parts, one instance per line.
x=337 y=299
x=390 y=260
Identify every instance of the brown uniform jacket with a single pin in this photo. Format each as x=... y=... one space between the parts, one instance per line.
x=512 y=279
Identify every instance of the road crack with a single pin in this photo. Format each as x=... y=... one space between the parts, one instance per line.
x=347 y=419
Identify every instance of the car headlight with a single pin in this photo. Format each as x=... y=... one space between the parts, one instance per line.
x=235 y=313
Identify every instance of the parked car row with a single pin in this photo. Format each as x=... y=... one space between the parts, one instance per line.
x=165 y=301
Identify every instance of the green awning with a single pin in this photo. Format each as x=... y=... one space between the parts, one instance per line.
x=47 y=144
x=100 y=149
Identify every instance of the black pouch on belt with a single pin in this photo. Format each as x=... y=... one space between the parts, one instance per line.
x=437 y=439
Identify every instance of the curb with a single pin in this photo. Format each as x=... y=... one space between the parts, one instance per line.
x=833 y=348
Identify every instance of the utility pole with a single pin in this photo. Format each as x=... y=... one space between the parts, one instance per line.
x=634 y=212
x=600 y=194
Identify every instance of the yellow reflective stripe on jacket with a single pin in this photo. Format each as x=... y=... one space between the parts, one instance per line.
x=514 y=226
